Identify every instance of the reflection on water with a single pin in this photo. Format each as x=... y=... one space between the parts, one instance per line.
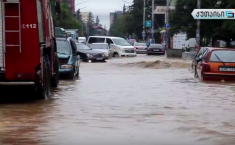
x=125 y=105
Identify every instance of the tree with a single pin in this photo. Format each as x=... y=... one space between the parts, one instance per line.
x=124 y=9
x=65 y=18
x=90 y=19
x=181 y=21
x=78 y=15
x=97 y=20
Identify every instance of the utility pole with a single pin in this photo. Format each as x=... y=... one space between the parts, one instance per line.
x=152 y=19
x=198 y=27
x=144 y=34
x=167 y=21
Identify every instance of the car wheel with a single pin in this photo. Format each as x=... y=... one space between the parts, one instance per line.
x=77 y=75
x=115 y=54
x=71 y=75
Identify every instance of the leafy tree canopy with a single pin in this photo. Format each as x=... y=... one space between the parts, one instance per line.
x=66 y=18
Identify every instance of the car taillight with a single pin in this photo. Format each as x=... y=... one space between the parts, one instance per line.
x=206 y=67
x=136 y=48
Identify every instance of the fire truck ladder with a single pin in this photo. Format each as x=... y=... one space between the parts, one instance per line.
x=11 y=27
x=1 y=38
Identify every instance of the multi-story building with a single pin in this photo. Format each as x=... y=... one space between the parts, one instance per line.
x=71 y=4
x=111 y=16
x=85 y=16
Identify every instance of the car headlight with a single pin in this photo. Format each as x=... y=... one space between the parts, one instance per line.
x=66 y=66
x=105 y=54
x=89 y=55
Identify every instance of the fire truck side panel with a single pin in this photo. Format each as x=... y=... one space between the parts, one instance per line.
x=22 y=54
x=46 y=22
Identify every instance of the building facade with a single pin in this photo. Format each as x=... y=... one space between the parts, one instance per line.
x=111 y=16
x=85 y=16
x=71 y=4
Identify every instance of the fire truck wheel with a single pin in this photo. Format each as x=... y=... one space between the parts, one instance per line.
x=43 y=90
x=49 y=76
x=55 y=78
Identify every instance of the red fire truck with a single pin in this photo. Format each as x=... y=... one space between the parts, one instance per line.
x=27 y=45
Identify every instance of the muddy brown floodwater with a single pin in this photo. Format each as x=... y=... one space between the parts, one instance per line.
x=131 y=100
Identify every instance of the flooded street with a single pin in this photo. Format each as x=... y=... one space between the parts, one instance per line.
x=126 y=101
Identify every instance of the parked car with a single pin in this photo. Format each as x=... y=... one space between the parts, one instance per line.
x=140 y=48
x=69 y=59
x=102 y=47
x=88 y=54
x=216 y=64
x=82 y=39
x=195 y=61
x=155 y=49
x=119 y=47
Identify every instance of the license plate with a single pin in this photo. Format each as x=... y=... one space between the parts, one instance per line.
x=99 y=58
x=155 y=50
x=226 y=69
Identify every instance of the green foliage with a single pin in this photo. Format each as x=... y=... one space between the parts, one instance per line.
x=97 y=20
x=66 y=19
x=181 y=20
x=132 y=20
x=124 y=8
x=90 y=19
x=78 y=15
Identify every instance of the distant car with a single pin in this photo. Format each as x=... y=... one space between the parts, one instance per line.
x=102 y=47
x=82 y=39
x=69 y=59
x=140 y=48
x=155 y=49
x=88 y=54
x=216 y=64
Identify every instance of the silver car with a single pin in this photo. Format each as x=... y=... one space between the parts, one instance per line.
x=140 y=48
x=102 y=47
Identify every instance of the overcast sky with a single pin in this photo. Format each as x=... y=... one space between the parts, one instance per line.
x=102 y=8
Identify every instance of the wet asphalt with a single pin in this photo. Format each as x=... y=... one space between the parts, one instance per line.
x=145 y=100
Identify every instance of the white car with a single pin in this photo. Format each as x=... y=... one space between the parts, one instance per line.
x=118 y=46
x=102 y=47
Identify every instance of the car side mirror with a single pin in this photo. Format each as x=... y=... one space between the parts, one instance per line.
x=77 y=53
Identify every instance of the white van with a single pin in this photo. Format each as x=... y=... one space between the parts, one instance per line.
x=119 y=47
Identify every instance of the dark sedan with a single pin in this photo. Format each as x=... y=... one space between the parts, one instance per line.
x=155 y=49
x=88 y=54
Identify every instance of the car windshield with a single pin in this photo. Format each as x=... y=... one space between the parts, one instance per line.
x=156 y=46
x=121 y=42
x=99 y=46
x=140 y=44
x=222 y=56
x=63 y=47
x=83 y=47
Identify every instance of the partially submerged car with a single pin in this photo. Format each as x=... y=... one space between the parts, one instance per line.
x=216 y=64
x=88 y=54
x=140 y=48
x=69 y=59
x=102 y=47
